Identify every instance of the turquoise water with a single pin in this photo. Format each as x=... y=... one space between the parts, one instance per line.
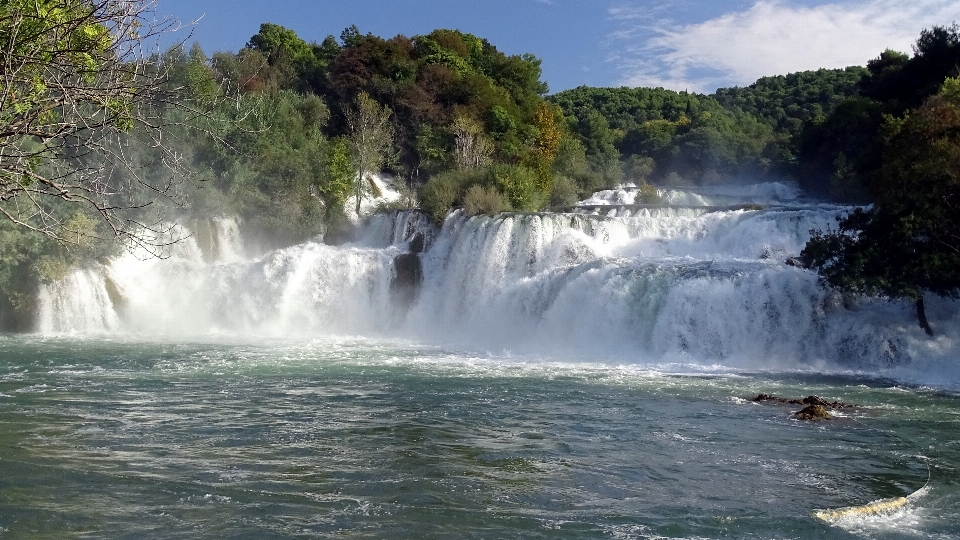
x=367 y=438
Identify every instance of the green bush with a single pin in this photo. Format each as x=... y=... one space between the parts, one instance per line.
x=484 y=200
x=647 y=194
x=564 y=192
x=519 y=185
x=440 y=193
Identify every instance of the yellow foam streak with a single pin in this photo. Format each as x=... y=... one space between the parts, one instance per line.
x=876 y=507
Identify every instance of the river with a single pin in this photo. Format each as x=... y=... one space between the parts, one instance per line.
x=557 y=375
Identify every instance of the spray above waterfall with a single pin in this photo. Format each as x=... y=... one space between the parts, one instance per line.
x=677 y=285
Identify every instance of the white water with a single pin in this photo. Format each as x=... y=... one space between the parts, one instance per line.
x=769 y=193
x=680 y=289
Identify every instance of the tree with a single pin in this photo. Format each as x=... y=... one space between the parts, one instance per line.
x=75 y=82
x=471 y=148
x=339 y=177
x=371 y=139
x=546 y=145
x=908 y=243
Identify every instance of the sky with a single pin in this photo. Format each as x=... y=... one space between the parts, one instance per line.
x=697 y=46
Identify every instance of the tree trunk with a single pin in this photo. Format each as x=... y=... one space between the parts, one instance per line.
x=922 y=316
x=358 y=191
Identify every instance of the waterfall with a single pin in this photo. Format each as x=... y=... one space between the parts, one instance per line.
x=674 y=285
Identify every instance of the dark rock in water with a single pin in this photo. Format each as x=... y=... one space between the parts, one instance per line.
x=809 y=400
x=813 y=413
x=416 y=243
x=800 y=261
x=815 y=400
x=408 y=276
x=768 y=397
x=114 y=294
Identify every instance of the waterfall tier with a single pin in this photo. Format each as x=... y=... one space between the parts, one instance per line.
x=668 y=285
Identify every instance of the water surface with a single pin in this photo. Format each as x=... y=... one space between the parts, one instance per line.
x=383 y=438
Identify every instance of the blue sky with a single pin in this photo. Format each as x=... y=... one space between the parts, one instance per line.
x=677 y=44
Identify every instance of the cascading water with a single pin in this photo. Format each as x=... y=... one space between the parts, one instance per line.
x=666 y=285
x=576 y=375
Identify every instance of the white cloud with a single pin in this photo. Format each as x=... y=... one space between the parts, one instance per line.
x=771 y=37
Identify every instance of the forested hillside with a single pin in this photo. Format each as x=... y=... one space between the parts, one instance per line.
x=670 y=137
x=286 y=134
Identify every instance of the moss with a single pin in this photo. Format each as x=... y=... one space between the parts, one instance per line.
x=813 y=413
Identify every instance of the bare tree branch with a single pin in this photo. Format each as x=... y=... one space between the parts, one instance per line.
x=82 y=80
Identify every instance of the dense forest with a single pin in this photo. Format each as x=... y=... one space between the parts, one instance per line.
x=286 y=134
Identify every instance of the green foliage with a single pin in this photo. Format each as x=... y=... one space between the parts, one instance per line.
x=638 y=168
x=908 y=243
x=278 y=162
x=515 y=186
x=852 y=130
x=894 y=84
x=519 y=186
x=29 y=258
x=427 y=81
x=903 y=83
x=371 y=143
x=338 y=179
x=199 y=77
x=647 y=194
x=565 y=191
x=669 y=132
x=445 y=190
x=73 y=85
x=483 y=200
x=786 y=102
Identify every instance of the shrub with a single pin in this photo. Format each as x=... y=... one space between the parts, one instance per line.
x=519 y=185
x=447 y=189
x=564 y=192
x=647 y=194
x=484 y=200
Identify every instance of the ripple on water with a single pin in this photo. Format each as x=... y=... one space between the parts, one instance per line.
x=393 y=439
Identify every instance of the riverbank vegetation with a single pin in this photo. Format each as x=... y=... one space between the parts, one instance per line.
x=287 y=135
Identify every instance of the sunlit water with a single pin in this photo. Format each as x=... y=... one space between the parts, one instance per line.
x=363 y=438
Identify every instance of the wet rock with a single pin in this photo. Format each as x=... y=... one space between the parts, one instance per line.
x=817 y=400
x=813 y=413
x=417 y=243
x=768 y=398
x=799 y=261
x=114 y=293
x=408 y=276
x=810 y=401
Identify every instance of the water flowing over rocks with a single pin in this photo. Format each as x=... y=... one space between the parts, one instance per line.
x=666 y=284
x=816 y=407
x=813 y=413
x=408 y=277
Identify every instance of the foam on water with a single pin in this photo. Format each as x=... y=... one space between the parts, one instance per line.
x=766 y=193
x=681 y=288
